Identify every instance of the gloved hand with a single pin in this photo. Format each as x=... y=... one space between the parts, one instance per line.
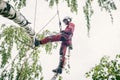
x=37 y=42
x=70 y=47
x=62 y=31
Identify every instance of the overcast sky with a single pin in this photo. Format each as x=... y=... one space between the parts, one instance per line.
x=104 y=37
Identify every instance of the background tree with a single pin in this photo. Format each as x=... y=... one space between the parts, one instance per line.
x=107 y=69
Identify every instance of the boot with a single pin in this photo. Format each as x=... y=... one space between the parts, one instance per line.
x=36 y=43
x=58 y=70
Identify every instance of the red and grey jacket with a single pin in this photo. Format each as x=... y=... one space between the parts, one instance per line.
x=68 y=33
x=70 y=28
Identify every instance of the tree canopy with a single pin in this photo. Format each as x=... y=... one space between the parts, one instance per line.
x=107 y=69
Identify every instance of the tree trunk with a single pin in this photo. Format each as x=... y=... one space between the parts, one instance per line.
x=7 y=10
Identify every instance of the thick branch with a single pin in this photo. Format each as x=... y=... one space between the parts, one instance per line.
x=7 y=10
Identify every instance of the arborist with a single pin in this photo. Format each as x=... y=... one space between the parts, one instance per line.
x=66 y=37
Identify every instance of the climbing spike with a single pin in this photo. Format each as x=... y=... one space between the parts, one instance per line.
x=55 y=76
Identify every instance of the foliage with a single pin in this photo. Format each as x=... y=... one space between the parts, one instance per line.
x=18 y=60
x=108 y=5
x=106 y=70
x=18 y=4
x=88 y=11
x=70 y=3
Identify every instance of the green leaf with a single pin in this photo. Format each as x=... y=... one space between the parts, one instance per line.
x=51 y=3
x=105 y=70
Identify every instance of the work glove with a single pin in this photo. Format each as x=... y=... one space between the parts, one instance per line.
x=70 y=47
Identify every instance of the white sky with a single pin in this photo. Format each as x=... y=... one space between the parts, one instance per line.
x=104 y=37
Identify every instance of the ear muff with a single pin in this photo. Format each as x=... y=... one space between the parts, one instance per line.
x=69 y=19
x=65 y=20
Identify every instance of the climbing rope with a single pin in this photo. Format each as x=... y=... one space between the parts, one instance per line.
x=57 y=14
x=60 y=27
x=35 y=13
x=46 y=23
